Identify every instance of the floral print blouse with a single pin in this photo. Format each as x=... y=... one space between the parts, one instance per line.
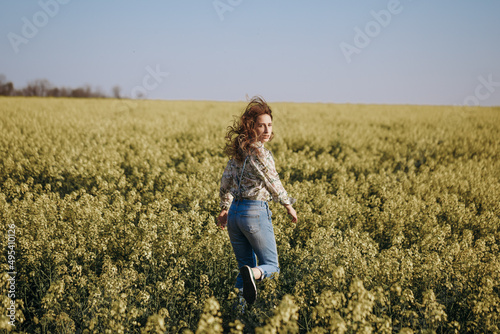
x=260 y=180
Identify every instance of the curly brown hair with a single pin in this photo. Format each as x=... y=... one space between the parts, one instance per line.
x=242 y=134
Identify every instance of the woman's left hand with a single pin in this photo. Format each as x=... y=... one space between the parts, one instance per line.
x=222 y=219
x=291 y=211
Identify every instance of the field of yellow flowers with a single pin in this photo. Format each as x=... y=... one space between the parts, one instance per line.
x=108 y=211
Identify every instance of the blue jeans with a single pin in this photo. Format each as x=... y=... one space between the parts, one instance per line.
x=251 y=233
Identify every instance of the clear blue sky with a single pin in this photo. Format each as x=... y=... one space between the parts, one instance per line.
x=423 y=52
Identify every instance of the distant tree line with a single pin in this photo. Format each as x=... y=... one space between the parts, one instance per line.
x=42 y=87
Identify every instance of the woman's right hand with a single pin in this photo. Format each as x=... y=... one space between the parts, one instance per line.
x=222 y=219
x=291 y=212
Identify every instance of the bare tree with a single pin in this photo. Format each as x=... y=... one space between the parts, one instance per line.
x=39 y=87
x=117 y=92
x=98 y=93
x=77 y=92
x=54 y=92
x=43 y=88
x=6 y=88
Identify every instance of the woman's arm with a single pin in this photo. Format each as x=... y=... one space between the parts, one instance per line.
x=225 y=187
x=225 y=195
x=222 y=219
x=291 y=211
x=264 y=163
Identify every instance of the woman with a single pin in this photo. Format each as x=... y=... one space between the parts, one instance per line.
x=249 y=181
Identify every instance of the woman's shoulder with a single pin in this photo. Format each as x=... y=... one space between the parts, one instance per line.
x=262 y=155
x=234 y=163
x=259 y=147
x=258 y=151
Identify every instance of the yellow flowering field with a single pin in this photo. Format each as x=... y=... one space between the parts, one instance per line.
x=108 y=211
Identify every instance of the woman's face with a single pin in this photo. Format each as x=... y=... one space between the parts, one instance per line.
x=264 y=128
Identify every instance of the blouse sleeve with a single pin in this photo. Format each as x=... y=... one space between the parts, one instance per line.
x=225 y=188
x=266 y=170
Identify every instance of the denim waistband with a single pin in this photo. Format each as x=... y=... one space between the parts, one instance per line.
x=249 y=202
